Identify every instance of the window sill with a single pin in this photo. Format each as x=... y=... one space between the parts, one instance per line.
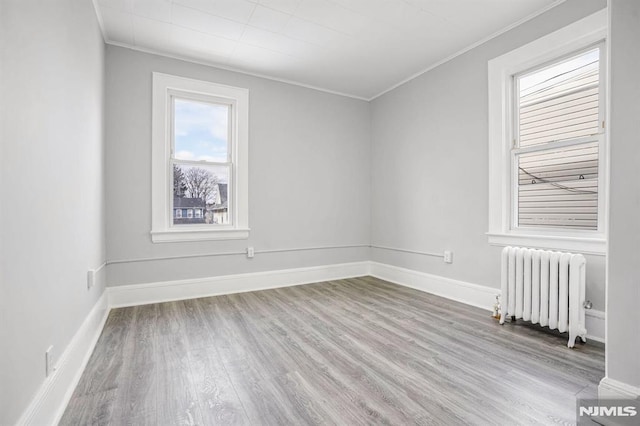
x=594 y=246
x=199 y=235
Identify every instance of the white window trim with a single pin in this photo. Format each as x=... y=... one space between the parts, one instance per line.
x=573 y=37
x=161 y=178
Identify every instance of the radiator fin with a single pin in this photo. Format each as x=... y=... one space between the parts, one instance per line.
x=546 y=288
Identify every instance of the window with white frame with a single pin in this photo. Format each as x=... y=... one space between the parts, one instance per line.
x=547 y=141
x=559 y=118
x=200 y=143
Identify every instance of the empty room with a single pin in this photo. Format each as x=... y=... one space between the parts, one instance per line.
x=293 y=212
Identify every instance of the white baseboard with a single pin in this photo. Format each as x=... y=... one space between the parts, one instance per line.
x=49 y=404
x=141 y=294
x=614 y=389
x=51 y=400
x=471 y=294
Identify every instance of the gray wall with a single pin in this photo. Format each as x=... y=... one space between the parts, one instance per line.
x=623 y=272
x=430 y=157
x=309 y=180
x=51 y=174
x=315 y=160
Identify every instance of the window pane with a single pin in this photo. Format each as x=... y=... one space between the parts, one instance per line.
x=561 y=101
x=201 y=131
x=202 y=194
x=559 y=188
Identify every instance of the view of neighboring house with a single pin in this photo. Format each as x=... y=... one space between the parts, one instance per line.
x=195 y=210
x=220 y=208
x=188 y=210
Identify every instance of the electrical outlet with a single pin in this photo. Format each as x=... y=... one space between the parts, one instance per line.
x=48 y=360
x=91 y=278
x=448 y=256
x=250 y=252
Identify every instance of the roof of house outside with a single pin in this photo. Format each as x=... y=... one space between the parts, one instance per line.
x=218 y=207
x=181 y=202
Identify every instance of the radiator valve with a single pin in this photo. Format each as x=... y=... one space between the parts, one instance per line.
x=497 y=309
x=587 y=304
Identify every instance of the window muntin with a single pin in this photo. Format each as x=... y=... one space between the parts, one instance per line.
x=557 y=134
x=201 y=157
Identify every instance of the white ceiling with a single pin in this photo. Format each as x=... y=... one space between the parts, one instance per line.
x=361 y=48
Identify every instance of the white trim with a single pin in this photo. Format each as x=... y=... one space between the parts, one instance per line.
x=164 y=87
x=318 y=88
x=593 y=246
x=141 y=294
x=48 y=406
x=233 y=69
x=614 y=389
x=471 y=47
x=562 y=42
x=607 y=130
x=471 y=294
x=476 y=295
x=50 y=402
x=179 y=235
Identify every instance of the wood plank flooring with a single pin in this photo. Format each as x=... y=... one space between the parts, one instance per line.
x=348 y=352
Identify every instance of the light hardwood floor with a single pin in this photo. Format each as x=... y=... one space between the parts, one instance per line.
x=347 y=352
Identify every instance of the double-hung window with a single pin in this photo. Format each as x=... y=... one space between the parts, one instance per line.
x=199 y=160
x=559 y=126
x=547 y=141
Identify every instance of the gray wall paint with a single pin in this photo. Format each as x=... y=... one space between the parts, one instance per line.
x=309 y=181
x=429 y=162
x=623 y=272
x=308 y=150
x=52 y=232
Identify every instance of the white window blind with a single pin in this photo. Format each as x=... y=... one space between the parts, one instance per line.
x=556 y=150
